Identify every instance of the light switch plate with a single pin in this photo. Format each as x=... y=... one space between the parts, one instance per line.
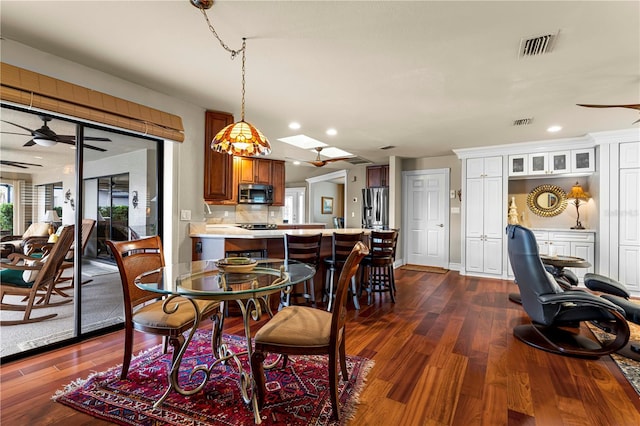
x=185 y=214
x=452 y=193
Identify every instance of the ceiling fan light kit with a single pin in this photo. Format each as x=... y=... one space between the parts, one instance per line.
x=46 y=137
x=240 y=138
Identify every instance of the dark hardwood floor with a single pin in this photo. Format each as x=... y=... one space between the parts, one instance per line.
x=444 y=354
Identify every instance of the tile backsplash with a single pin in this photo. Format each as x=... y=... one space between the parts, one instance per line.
x=253 y=213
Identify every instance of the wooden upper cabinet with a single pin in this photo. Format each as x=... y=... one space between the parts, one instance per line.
x=219 y=185
x=254 y=170
x=277 y=180
x=377 y=176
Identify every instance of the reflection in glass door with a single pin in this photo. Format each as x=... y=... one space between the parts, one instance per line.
x=113 y=212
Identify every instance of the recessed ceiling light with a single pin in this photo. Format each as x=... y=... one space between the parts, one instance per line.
x=554 y=129
x=332 y=132
x=302 y=141
x=296 y=162
x=293 y=125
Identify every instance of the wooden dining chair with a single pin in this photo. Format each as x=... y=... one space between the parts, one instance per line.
x=303 y=330
x=31 y=278
x=143 y=311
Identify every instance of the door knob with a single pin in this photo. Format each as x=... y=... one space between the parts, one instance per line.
x=441 y=225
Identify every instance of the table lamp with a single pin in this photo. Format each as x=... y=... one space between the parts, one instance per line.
x=577 y=194
x=51 y=216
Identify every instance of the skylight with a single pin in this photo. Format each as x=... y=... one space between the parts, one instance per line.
x=302 y=141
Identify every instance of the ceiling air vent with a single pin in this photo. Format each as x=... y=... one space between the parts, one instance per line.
x=523 y=122
x=357 y=160
x=538 y=45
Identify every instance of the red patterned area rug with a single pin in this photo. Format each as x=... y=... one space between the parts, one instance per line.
x=297 y=395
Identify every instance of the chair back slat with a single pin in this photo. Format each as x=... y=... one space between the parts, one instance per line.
x=383 y=243
x=303 y=248
x=342 y=244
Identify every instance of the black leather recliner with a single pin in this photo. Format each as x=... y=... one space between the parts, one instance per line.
x=555 y=313
x=616 y=293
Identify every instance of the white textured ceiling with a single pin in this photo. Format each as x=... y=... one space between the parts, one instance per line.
x=426 y=77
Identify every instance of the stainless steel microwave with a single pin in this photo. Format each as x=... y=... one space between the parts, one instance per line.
x=255 y=194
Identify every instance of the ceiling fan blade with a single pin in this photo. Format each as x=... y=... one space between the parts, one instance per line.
x=30 y=143
x=632 y=106
x=90 y=138
x=95 y=148
x=72 y=138
x=329 y=160
x=22 y=127
x=13 y=133
x=19 y=164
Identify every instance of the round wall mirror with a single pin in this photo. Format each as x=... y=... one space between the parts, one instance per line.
x=547 y=200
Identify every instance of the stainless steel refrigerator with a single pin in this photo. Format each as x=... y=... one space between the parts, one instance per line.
x=375 y=208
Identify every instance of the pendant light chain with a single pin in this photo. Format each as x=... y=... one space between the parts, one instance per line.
x=234 y=53
x=244 y=46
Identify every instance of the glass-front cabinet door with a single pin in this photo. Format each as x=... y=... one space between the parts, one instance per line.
x=538 y=164
x=560 y=162
x=518 y=165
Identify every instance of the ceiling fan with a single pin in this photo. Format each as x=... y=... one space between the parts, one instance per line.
x=18 y=164
x=630 y=106
x=318 y=162
x=44 y=136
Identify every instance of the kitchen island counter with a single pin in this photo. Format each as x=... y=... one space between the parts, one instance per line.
x=219 y=231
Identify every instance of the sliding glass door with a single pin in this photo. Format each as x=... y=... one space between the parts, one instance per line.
x=110 y=190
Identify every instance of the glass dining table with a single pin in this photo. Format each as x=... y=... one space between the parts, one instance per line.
x=250 y=289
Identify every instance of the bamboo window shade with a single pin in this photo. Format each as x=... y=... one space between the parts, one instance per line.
x=35 y=90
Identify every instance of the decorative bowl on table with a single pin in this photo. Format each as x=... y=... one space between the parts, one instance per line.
x=239 y=265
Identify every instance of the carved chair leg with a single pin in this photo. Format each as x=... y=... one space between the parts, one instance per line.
x=333 y=384
x=257 y=370
x=126 y=360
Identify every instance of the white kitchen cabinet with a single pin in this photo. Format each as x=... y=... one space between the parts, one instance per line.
x=568 y=243
x=583 y=160
x=629 y=219
x=484 y=167
x=519 y=165
x=484 y=216
x=547 y=163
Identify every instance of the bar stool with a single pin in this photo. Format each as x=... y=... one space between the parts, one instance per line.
x=378 y=265
x=341 y=246
x=303 y=248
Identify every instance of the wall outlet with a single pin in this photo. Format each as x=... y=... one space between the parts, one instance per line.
x=185 y=214
x=226 y=214
x=273 y=214
x=353 y=214
x=452 y=193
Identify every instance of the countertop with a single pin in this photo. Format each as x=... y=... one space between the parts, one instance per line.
x=220 y=231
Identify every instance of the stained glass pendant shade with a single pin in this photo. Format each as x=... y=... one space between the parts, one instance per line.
x=241 y=138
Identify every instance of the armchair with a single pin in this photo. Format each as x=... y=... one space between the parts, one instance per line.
x=36 y=232
x=556 y=314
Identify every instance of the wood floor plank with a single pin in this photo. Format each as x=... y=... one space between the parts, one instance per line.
x=444 y=353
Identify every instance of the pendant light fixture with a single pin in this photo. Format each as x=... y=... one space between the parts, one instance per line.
x=239 y=138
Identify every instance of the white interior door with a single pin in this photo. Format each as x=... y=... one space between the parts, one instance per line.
x=426 y=217
x=294 y=205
